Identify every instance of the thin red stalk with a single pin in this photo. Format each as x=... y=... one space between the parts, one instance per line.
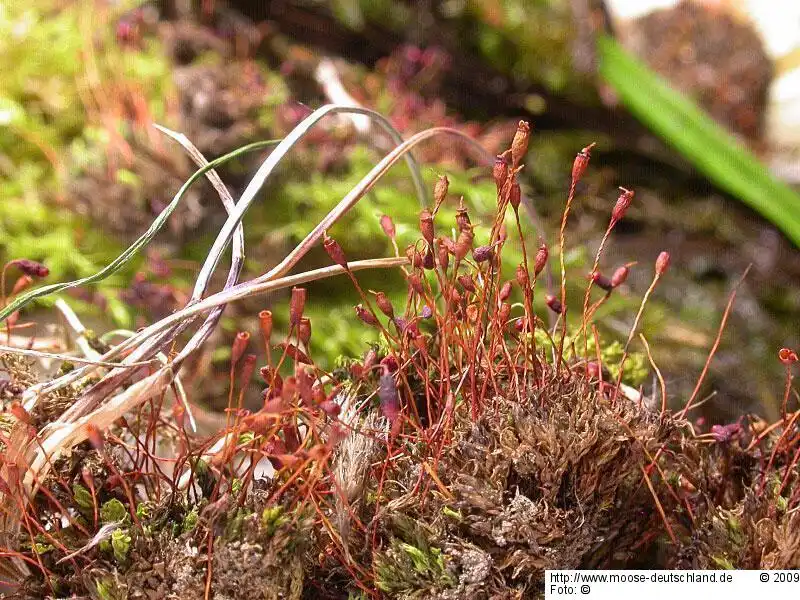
x=714 y=347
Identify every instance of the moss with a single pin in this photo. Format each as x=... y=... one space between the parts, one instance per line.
x=190 y=521
x=637 y=367
x=114 y=511
x=409 y=571
x=108 y=588
x=120 y=544
x=82 y=496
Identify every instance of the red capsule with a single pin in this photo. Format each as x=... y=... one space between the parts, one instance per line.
x=522 y=276
x=448 y=244
x=415 y=282
x=370 y=359
x=519 y=145
x=787 y=356
x=248 y=366
x=443 y=254
x=428 y=262
x=440 y=190
x=500 y=171
x=30 y=267
x=662 y=263
x=467 y=283
x=483 y=253
x=239 y=346
x=462 y=218
x=541 y=259
x=505 y=291
x=601 y=281
x=265 y=323
x=366 y=316
x=620 y=275
x=504 y=312
x=415 y=258
x=623 y=202
x=334 y=250
x=515 y=195
x=426 y=225
x=384 y=304
x=553 y=304
x=388 y=227
x=296 y=305
x=464 y=244
x=304 y=331
x=581 y=162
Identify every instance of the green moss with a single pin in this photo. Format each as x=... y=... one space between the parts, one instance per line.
x=113 y=511
x=82 y=496
x=723 y=563
x=40 y=548
x=108 y=588
x=46 y=133
x=121 y=544
x=144 y=510
x=408 y=569
x=272 y=518
x=190 y=521
x=637 y=367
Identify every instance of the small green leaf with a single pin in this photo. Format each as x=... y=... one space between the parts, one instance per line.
x=121 y=544
x=113 y=511
x=82 y=496
x=189 y=521
x=40 y=548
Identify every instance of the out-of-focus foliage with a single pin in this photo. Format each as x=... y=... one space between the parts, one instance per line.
x=525 y=39
x=698 y=138
x=63 y=97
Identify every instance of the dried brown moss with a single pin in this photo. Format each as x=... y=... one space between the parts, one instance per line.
x=554 y=481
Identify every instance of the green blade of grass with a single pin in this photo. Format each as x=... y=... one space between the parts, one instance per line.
x=713 y=151
x=142 y=241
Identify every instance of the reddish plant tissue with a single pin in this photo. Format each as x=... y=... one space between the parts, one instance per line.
x=787 y=356
x=31 y=267
x=662 y=263
x=389 y=397
x=541 y=259
x=334 y=250
x=581 y=163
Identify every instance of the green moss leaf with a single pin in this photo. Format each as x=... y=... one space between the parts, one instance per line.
x=82 y=496
x=113 y=511
x=121 y=544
